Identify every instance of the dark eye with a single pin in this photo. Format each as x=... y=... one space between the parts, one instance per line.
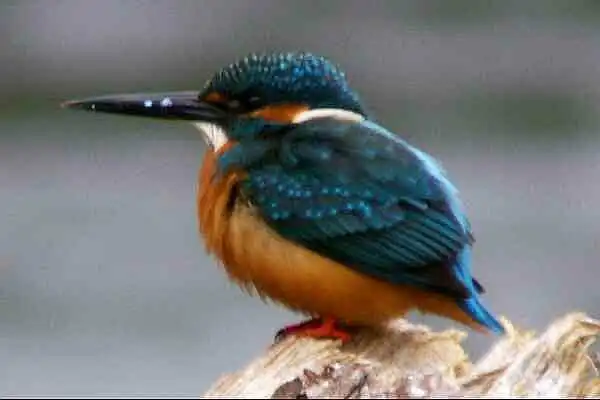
x=254 y=100
x=242 y=103
x=234 y=105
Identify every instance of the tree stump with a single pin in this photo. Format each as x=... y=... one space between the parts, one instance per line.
x=412 y=361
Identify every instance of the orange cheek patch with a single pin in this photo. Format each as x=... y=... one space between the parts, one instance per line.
x=215 y=97
x=280 y=112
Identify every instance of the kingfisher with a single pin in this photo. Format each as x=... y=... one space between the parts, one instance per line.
x=308 y=202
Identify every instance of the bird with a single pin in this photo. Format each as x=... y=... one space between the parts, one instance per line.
x=308 y=202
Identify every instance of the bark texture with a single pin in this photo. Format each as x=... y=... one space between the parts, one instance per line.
x=412 y=361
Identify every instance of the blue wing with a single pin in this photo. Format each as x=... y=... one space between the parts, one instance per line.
x=360 y=195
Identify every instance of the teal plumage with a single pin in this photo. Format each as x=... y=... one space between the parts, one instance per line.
x=260 y=80
x=360 y=195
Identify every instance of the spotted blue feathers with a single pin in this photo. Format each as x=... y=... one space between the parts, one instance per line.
x=294 y=77
x=357 y=194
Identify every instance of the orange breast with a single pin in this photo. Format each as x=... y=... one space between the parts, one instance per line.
x=263 y=263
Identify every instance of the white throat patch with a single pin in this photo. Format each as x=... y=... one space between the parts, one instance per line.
x=335 y=113
x=216 y=137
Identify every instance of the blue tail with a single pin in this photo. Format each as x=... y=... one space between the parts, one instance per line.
x=473 y=306
x=479 y=313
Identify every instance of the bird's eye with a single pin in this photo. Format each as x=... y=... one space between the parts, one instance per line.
x=254 y=100
x=233 y=104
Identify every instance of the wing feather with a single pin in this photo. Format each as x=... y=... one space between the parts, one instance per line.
x=355 y=193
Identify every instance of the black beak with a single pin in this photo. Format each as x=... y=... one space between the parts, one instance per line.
x=175 y=106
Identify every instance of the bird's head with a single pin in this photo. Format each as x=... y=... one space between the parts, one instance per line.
x=260 y=89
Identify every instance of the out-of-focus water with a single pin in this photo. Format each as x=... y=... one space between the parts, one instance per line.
x=105 y=288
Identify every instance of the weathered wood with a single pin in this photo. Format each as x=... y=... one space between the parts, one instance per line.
x=412 y=361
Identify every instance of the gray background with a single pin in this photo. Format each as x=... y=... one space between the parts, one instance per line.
x=105 y=288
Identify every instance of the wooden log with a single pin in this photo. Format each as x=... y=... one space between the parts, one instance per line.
x=407 y=360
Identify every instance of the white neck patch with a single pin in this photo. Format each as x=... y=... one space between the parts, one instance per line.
x=216 y=137
x=336 y=113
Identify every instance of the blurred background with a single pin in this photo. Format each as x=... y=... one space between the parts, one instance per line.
x=105 y=288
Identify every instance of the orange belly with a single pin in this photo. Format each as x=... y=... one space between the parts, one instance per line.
x=264 y=263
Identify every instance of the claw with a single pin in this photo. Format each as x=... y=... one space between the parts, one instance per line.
x=317 y=328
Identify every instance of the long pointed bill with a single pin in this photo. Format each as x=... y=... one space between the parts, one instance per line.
x=175 y=106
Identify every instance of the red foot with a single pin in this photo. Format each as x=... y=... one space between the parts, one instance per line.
x=318 y=328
